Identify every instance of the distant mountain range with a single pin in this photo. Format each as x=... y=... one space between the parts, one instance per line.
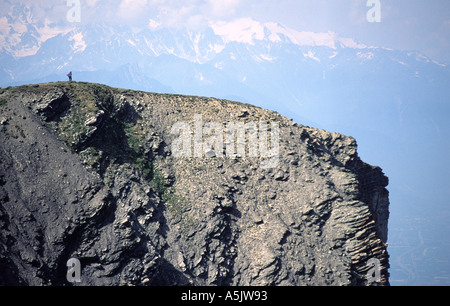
x=267 y=64
x=395 y=103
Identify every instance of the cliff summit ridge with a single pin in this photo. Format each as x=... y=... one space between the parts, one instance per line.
x=165 y=189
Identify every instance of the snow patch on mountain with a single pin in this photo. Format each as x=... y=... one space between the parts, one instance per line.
x=79 y=44
x=350 y=43
x=20 y=38
x=311 y=55
x=249 y=31
x=244 y=30
x=365 y=55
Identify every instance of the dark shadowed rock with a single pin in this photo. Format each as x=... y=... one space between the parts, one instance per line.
x=88 y=172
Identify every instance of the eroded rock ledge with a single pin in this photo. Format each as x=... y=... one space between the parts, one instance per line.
x=87 y=172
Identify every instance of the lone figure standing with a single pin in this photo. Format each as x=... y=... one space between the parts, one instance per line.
x=70 y=76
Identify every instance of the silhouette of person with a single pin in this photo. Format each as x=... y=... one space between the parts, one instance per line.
x=70 y=76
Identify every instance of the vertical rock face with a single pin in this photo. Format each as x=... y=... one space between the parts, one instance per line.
x=90 y=172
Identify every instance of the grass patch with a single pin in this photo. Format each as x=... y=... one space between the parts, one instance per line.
x=87 y=101
x=174 y=203
x=3 y=102
x=133 y=138
x=158 y=183
x=72 y=127
x=134 y=141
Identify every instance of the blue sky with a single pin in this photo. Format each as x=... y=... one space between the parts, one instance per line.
x=418 y=25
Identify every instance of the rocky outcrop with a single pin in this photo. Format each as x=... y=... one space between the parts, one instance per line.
x=89 y=172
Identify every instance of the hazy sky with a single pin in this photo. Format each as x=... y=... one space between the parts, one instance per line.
x=422 y=25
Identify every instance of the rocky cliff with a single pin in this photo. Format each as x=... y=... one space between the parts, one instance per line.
x=90 y=172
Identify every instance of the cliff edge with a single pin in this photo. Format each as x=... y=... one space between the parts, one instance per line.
x=153 y=189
